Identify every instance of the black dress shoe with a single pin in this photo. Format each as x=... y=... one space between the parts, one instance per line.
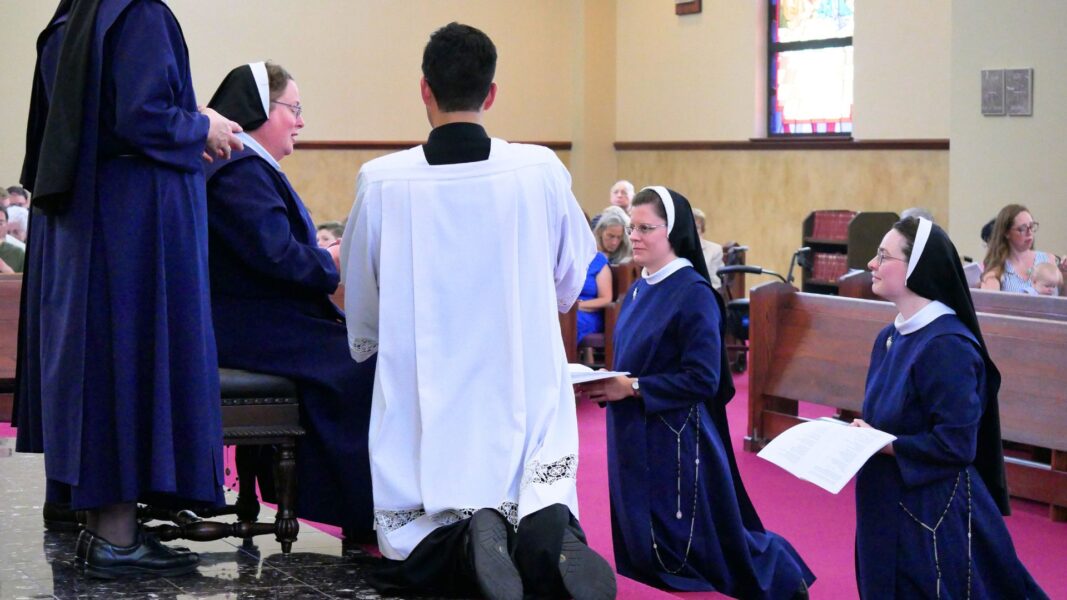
x=59 y=517
x=487 y=551
x=147 y=557
x=586 y=575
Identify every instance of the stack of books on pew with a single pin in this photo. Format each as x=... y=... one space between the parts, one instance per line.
x=831 y=224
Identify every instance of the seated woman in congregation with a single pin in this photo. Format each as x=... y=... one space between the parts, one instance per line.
x=681 y=518
x=612 y=248
x=929 y=505
x=1010 y=258
x=270 y=286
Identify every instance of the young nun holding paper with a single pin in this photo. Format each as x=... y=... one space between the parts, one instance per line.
x=680 y=516
x=929 y=505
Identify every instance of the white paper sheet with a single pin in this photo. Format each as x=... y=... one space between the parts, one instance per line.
x=583 y=374
x=825 y=452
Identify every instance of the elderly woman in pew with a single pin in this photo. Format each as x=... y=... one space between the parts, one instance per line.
x=613 y=248
x=929 y=505
x=680 y=516
x=1011 y=258
x=270 y=286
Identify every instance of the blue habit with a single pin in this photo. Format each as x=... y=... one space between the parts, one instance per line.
x=670 y=336
x=270 y=286
x=591 y=322
x=927 y=389
x=119 y=386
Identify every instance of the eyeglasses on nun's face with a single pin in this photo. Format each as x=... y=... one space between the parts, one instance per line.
x=296 y=108
x=643 y=229
x=883 y=256
x=1024 y=229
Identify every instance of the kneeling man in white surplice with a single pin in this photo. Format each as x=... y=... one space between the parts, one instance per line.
x=457 y=257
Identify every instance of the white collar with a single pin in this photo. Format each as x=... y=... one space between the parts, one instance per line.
x=260 y=150
x=924 y=317
x=667 y=270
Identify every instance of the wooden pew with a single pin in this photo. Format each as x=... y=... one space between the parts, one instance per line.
x=10 y=290
x=816 y=348
x=858 y=285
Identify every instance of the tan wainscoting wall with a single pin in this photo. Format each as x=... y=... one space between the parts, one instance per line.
x=760 y=198
x=325 y=178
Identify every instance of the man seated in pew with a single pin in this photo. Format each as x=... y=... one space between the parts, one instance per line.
x=712 y=252
x=329 y=233
x=929 y=505
x=12 y=257
x=474 y=446
x=1047 y=279
x=270 y=287
x=680 y=516
x=1011 y=256
x=622 y=194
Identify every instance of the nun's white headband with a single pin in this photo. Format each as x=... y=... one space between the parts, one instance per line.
x=259 y=73
x=668 y=204
x=921 y=236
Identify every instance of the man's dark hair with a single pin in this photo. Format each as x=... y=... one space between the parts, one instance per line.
x=21 y=191
x=459 y=63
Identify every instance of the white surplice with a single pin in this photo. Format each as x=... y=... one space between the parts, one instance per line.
x=454 y=275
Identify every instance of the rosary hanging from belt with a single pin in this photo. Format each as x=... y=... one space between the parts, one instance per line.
x=695 y=417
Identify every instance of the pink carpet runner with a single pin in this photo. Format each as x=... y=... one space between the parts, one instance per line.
x=820 y=525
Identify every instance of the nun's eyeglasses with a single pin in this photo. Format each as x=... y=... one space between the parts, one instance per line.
x=1022 y=229
x=296 y=108
x=883 y=256
x=643 y=229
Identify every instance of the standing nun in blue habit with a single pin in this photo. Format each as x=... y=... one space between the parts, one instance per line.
x=270 y=294
x=929 y=504
x=680 y=516
x=117 y=377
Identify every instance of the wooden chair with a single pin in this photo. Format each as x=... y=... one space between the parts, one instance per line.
x=733 y=295
x=257 y=410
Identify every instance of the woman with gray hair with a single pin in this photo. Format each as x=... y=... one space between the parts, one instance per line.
x=611 y=239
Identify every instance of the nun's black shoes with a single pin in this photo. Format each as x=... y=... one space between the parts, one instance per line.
x=59 y=517
x=147 y=557
x=586 y=575
x=488 y=556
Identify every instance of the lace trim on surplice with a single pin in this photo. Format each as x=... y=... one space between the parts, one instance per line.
x=564 y=468
x=391 y=520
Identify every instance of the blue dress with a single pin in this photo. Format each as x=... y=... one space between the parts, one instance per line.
x=270 y=286
x=119 y=386
x=926 y=389
x=670 y=337
x=591 y=322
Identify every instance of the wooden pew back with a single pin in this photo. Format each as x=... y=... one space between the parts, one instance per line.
x=10 y=290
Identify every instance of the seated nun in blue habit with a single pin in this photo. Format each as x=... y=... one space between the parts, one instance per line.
x=929 y=505
x=270 y=287
x=680 y=516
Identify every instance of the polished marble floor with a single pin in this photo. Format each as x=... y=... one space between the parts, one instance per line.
x=39 y=564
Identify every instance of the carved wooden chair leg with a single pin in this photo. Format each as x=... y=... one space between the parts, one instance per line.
x=247 y=500
x=286 y=527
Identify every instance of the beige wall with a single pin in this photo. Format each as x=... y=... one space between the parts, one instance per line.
x=1000 y=160
x=702 y=77
x=760 y=199
x=357 y=62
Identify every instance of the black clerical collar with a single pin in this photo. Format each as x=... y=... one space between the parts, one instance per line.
x=457 y=143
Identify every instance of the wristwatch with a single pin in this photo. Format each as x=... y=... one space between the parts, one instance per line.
x=636 y=387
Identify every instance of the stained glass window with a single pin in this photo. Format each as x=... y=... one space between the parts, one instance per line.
x=810 y=60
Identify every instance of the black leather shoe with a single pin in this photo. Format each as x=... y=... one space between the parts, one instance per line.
x=487 y=551
x=147 y=557
x=59 y=517
x=586 y=575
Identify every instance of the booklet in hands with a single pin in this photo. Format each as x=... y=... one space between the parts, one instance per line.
x=826 y=452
